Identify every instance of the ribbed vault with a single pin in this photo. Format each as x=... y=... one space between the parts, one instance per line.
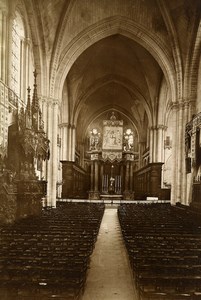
x=115 y=73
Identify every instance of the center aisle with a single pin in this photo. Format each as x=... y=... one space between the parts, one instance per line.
x=109 y=276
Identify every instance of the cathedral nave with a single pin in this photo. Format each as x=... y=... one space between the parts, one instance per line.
x=100 y=139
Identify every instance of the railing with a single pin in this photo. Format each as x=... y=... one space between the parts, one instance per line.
x=10 y=190
x=14 y=99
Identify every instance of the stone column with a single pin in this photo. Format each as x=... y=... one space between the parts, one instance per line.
x=122 y=176
x=5 y=49
x=163 y=154
x=8 y=46
x=73 y=143
x=50 y=162
x=174 y=155
x=128 y=193
x=4 y=45
x=64 y=139
x=23 y=63
x=184 y=197
x=44 y=117
x=163 y=140
x=96 y=177
x=83 y=156
x=101 y=174
x=1 y=41
x=27 y=54
x=59 y=158
x=190 y=176
x=61 y=134
x=140 y=155
x=131 y=176
x=151 y=144
x=65 y=142
x=160 y=144
x=142 y=146
x=178 y=180
x=92 y=176
x=180 y=156
x=3 y=71
x=69 y=142
x=54 y=152
x=127 y=177
x=24 y=72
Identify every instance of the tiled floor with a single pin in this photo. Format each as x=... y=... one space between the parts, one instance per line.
x=109 y=276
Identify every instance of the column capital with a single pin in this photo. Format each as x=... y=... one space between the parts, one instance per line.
x=71 y=126
x=183 y=103
x=52 y=102
x=55 y=102
x=43 y=99
x=161 y=126
x=152 y=127
x=4 y=9
x=27 y=41
x=62 y=125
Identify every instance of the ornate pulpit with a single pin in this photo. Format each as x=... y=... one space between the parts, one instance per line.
x=28 y=147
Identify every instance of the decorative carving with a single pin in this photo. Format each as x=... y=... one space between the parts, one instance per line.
x=113 y=121
x=111 y=156
x=32 y=138
x=20 y=189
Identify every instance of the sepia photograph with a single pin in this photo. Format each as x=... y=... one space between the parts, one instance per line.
x=100 y=149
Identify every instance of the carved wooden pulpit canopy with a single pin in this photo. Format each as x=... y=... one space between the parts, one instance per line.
x=28 y=146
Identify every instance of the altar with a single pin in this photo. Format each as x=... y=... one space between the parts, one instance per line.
x=112 y=197
x=112 y=157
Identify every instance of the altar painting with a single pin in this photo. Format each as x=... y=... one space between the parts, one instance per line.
x=112 y=143
x=112 y=138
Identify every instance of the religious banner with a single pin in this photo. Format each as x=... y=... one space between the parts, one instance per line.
x=112 y=139
x=111 y=156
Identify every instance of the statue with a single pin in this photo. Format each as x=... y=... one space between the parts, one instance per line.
x=128 y=140
x=94 y=140
x=111 y=188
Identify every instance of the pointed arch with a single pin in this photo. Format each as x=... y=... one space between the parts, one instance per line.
x=175 y=45
x=104 y=81
x=194 y=56
x=109 y=27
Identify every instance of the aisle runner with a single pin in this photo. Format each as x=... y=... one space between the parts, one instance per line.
x=109 y=277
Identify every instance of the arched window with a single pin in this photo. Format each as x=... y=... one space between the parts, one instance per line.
x=128 y=140
x=18 y=36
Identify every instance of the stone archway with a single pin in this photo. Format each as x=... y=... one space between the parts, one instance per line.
x=108 y=27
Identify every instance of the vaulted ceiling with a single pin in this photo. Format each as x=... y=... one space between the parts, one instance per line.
x=133 y=75
x=115 y=73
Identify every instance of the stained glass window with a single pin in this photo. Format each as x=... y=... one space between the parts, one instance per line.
x=18 y=35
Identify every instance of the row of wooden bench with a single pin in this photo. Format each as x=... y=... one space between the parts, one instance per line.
x=48 y=255
x=164 y=247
